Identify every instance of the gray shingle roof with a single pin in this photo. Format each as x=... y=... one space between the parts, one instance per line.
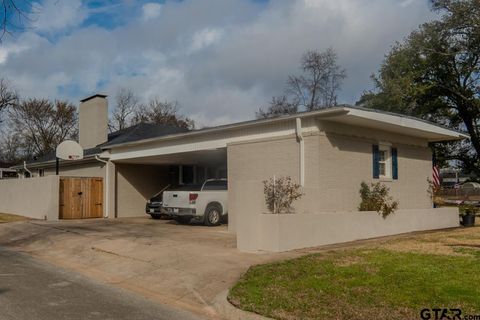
x=141 y=131
x=137 y=132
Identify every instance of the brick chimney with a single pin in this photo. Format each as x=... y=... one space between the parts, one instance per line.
x=93 y=121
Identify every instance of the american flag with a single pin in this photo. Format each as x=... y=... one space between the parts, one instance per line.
x=436 y=176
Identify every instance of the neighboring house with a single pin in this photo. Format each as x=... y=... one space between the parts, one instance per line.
x=452 y=177
x=329 y=152
x=6 y=172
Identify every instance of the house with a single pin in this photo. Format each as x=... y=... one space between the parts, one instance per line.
x=329 y=152
x=453 y=177
x=6 y=172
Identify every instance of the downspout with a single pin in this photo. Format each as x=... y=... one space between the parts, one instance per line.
x=26 y=169
x=298 y=131
x=107 y=185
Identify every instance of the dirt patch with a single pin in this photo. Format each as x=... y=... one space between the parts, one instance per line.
x=422 y=247
x=440 y=243
x=5 y=217
x=349 y=260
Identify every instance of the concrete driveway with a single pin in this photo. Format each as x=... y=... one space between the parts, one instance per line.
x=185 y=266
x=33 y=289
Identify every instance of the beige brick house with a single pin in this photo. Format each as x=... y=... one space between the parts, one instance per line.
x=329 y=152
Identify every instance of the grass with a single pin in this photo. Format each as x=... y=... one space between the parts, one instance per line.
x=366 y=283
x=5 y=217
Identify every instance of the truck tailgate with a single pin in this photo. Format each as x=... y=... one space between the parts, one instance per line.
x=176 y=199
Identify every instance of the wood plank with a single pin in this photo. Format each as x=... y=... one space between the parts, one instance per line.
x=76 y=198
x=97 y=190
x=62 y=209
x=81 y=198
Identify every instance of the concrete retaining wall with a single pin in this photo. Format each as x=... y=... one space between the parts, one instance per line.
x=34 y=197
x=277 y=233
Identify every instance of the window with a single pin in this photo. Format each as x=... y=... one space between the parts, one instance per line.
x=385 y=162
x=188 y=174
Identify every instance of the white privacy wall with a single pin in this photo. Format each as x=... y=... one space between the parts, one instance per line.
x=36 y=198
x=283 y=232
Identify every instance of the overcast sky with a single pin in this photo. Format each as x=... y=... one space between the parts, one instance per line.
x=221 y=59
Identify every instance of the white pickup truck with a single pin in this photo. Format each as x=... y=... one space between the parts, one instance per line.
x=206 y=202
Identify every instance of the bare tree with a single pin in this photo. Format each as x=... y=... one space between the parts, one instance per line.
x=316 y=88
x=12 y=15
x=10 y=146
x=40 y=125
x=126 y=106
x=278 y=106
x=162 y=112
x=321 y=80
x=8 y=96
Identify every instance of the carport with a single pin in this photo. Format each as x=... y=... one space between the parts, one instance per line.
x=137 y=170
x=138 y=179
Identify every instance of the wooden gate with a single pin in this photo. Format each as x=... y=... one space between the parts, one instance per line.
x=81 y=198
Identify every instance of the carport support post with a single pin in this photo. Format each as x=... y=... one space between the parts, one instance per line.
x=57 y=165
x=298 y=131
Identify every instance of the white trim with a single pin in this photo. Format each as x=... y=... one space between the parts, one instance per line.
x=144 y=148
x=214 y=143
x=106 y=184
x=441 y=134
x=337 y=111
x=407 y=122
x=298 y=131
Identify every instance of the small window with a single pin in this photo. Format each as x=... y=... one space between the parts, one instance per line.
x=188 y=174
x=385 y=161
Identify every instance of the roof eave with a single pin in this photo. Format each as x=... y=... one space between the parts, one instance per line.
x=49 y=163
x=437 y=132
x=319 y=113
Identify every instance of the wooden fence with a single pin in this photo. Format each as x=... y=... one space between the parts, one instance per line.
x=467 y=194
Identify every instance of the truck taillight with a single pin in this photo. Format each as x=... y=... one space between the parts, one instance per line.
x=193 y=197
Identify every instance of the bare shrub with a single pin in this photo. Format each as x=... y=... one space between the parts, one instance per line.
x=376 y=198
x=280 y=194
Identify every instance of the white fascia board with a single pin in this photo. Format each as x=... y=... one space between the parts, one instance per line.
x=408 y=123
x=183 y=145
x=325 y=113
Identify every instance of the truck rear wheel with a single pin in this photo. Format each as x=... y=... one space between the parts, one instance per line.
x=213 y=215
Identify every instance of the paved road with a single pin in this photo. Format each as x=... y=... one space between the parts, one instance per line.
x=31 y=290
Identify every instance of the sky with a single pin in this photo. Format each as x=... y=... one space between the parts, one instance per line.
x=220 y=59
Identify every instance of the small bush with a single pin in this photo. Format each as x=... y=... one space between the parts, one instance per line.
x=280 y=194
x=466 y=209
x=376 y=198
x=432 y=189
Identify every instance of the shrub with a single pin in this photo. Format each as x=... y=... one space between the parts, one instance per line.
x=280 y=194
x=376 y=198
x=435 y=193
x=466 y=209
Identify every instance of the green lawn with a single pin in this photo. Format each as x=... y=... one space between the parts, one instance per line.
x=362 y=284
x=4 y=217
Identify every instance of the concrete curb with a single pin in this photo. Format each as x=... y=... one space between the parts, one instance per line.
x=227 y=311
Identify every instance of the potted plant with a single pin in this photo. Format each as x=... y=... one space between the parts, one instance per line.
x=468 y=212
